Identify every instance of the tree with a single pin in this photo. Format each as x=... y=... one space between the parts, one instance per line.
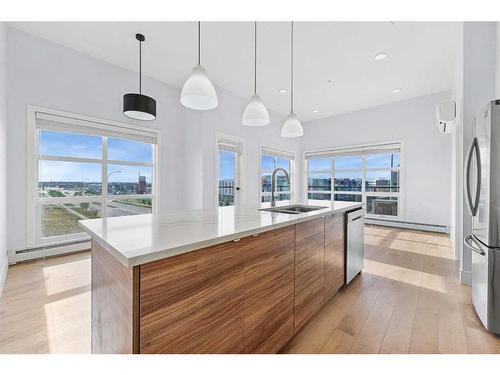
x=55 y=193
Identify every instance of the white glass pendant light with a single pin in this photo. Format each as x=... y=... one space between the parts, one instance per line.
x=198 y=92
x=255 y=113
x=292 y=127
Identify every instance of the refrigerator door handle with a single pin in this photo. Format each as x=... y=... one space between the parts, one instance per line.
x=474 y=244
x=467 y=178
x=473 y=149
x=478 y=180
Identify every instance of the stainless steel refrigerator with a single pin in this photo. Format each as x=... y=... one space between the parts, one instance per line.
x=482 y=190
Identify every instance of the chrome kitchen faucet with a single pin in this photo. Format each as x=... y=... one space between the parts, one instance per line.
x=273 y=184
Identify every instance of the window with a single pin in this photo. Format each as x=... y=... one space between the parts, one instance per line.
x=270 y=159
x=87 y=171
x=368 y=174
x=228 y=153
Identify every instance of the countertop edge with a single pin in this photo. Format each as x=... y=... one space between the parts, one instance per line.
x=131 y=262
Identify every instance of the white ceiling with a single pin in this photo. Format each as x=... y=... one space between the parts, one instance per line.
x=420 y=61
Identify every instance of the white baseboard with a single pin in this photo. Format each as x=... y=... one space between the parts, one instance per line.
x=3 y=276
x=47 y=251
x=466 y=277
x=408 y=225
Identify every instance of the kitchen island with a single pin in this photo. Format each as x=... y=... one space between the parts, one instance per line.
x=225 y=280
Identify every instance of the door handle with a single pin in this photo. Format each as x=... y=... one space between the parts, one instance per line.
x=478 y=181
x=356 y=218
x=473 y=244
x=467 y=179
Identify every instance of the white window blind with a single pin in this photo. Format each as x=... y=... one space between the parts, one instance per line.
x=355 y=151
x=56 y=123
x=276 y=152
x=228 y=145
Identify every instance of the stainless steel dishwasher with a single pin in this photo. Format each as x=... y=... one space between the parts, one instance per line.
x=355 y=246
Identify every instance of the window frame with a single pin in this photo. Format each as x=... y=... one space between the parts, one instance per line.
x=35 y=203
x=240 y=144
x=338 y=152
x=277 y=153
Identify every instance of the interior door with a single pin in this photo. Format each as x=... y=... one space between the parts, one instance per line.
x=228 y=184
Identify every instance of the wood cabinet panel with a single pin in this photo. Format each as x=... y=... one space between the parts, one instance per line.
x=114 y=304
x=268 y=293
x=334 y=253
x=249 y=296
x=309 y=269
x=193 y=303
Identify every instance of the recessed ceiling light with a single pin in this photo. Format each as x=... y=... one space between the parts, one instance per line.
x=381 y=56
x=283 y=91
x=315 y=110
x=395 y=91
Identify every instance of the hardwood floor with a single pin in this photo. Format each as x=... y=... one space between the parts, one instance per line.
x=407 y=300
x=45 y=306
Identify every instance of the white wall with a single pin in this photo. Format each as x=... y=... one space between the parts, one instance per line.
x=200 y=157
x=227 y=119
x=49 y=75
x=497 y=77
x=475 y=87
x=3 y=155
x=457 y=150
x=427 y=154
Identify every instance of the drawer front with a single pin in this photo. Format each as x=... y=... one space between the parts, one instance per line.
x=193 y=303
x=268 y=292
x=334 y=254
x=309 y=269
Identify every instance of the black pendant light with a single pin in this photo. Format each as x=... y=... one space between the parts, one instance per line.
x=138 y=106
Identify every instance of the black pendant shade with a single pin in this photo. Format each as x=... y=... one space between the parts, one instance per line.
x=138 y=106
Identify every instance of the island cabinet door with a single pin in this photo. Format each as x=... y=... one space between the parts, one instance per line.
x=334 y=253
x=193 y=303
x=268 y=293
x=309 y=269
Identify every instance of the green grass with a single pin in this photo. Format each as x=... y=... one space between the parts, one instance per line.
x=58 y=221
x=146 y=202
x=88 y=213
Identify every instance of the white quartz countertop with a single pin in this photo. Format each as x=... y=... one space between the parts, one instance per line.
x=140 y=239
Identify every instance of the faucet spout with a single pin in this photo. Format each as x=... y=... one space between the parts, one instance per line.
x=273 y=184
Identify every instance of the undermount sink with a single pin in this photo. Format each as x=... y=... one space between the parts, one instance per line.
x=293 y=209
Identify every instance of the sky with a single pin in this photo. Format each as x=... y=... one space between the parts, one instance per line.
x=90 y=146
x=226 y=165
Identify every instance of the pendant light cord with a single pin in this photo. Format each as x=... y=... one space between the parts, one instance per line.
x=255 y=59
x=291 y=70
x=140 y=67
x=199 y=42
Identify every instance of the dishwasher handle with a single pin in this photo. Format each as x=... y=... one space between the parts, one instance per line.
x=355 y=215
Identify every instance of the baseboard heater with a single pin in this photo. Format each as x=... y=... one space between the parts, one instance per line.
x=408 y=225
x=45 y=251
